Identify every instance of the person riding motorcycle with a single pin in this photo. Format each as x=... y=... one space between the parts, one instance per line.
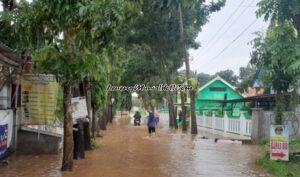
x=137 y=118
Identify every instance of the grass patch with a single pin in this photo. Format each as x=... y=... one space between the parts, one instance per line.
x=94 y=143
x=280 y=168
x=295 y=145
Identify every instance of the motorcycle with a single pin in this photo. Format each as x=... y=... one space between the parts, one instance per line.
x=137 y=122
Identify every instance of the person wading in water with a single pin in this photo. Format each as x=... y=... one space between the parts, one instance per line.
x=152 y=121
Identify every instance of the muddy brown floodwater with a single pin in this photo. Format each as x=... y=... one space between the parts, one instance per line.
x=127 y=151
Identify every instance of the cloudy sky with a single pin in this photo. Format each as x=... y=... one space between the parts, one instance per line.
x=235 y=22
x=225 y=38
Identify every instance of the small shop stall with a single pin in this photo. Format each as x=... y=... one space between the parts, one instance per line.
x=10 y=68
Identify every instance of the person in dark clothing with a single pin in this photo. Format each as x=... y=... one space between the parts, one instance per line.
x=137 y=118
x=152 y=121
x=180 y=115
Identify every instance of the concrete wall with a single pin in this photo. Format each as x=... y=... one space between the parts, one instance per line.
x=34 y=142
x=261 y=121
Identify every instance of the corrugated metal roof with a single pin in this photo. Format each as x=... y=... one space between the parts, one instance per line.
x=9 y=57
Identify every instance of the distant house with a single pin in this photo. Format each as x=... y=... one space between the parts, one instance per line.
x=10 y=66
x=211 y=96
x=256 y=88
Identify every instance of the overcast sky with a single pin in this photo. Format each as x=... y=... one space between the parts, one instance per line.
x=238 y=53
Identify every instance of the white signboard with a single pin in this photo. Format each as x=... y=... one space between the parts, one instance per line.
x=79 y=108
x=6 y=129
x=279 y=142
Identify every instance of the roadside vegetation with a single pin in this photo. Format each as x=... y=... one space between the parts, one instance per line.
x=282 y=71
x=282 y=168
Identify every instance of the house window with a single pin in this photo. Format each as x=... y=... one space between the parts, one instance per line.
x=217 y=89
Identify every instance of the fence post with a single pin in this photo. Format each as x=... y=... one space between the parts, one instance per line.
x=242 y=124
x=213 y=121
x=225 y=122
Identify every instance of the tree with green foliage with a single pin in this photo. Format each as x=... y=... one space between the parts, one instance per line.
x=278 y=50
x=279 y=12
x=169 y=34
x=192 y=16
x=68 y=39
x=246 y=76
x=203 y=78
x=228 y=75
x=157 y=32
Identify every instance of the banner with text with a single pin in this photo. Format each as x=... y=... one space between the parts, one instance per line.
x=79 y=108
x=38 y=99
x=6 y=129
x=279 y=142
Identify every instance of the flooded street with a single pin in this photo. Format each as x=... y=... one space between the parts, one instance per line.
x=127 y=151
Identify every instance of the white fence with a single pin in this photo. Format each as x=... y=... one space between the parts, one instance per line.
x=240 y=126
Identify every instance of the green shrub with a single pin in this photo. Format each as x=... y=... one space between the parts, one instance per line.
x=94 y=143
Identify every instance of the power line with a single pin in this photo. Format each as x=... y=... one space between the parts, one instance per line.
x=227 y=20
x=233 y=22
x=235 y=39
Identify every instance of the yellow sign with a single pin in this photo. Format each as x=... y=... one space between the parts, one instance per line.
x=38 y=99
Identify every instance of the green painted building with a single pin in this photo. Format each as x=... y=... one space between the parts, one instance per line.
x=212 y=94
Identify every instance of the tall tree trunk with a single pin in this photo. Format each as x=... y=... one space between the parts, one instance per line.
x=171 y=114
x=194 y=129
x=187 y=65
x=67 y=163
x=87 y=88
x=184 y=48
x=296 y=22
x=94 y=117
x=87 y=136
x=184 y=128
x=172 y=117
x=102 y=121
x=76 y=91
x=109 y=114
x=8 y=4
x=78 y=140
x=279 y=108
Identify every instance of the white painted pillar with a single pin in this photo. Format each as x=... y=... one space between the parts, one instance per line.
x=213 y=123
